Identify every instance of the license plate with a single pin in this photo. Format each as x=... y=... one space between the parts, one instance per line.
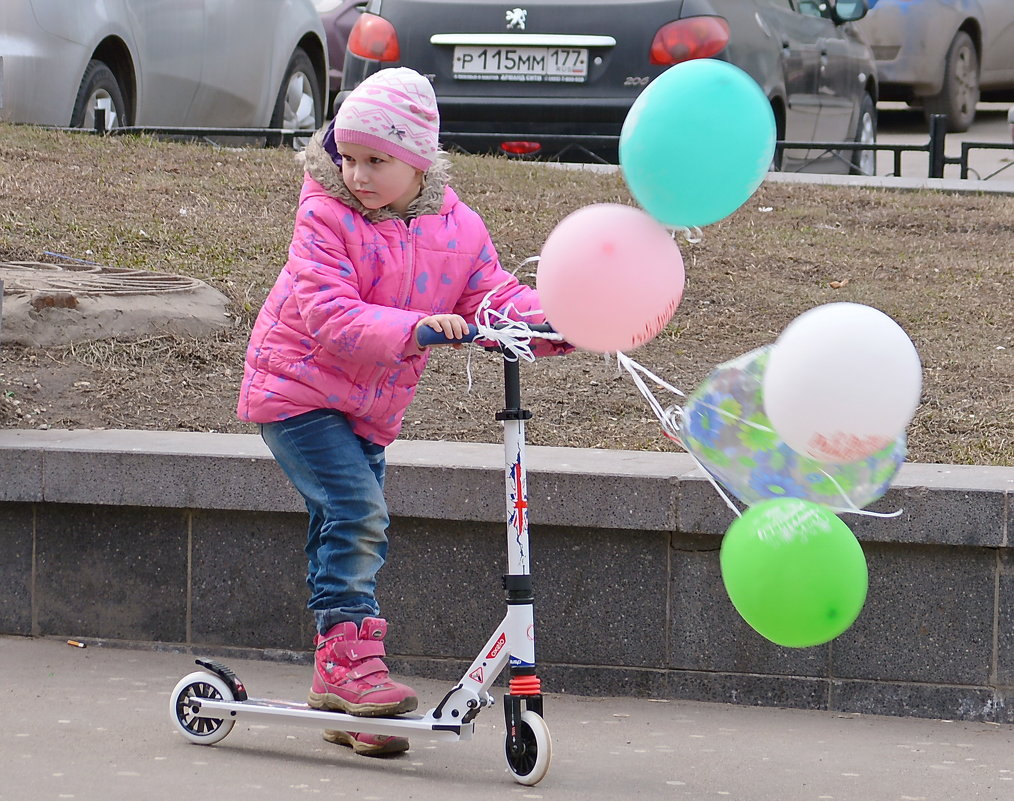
x=549 y=64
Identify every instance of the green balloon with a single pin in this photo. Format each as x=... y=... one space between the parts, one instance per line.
x=794 y=571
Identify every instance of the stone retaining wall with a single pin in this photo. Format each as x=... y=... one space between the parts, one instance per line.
x=194 y=541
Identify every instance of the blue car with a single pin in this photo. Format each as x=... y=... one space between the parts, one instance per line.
x=943 y=55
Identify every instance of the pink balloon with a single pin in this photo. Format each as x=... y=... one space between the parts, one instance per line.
x=610 y=277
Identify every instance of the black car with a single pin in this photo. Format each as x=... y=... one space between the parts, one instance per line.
x=553 y=78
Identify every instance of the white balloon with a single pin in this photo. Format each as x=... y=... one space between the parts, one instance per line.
x=843 y=382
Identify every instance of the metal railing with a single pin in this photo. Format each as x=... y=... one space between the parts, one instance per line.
x=585 y=145
x=968 y=147
x=935 y=147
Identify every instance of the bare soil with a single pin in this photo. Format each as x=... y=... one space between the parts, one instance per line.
x=940 y=264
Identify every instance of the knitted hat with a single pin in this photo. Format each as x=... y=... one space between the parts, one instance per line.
x=393 y=111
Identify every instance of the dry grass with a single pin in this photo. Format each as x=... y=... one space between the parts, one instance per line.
x=940 y=264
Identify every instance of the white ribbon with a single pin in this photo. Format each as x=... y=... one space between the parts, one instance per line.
x=667 y=416
x=694 y=235
x=670 y=417
x=507 y=329
x=851 y=508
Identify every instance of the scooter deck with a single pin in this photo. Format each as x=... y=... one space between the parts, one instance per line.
x=303 y=715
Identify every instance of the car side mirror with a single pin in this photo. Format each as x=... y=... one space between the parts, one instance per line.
x=849 y=10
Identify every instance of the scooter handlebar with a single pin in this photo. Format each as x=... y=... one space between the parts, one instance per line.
x=426 y=336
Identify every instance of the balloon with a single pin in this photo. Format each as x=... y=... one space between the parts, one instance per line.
x=794 y=572
x=697 y=142
x=725 y=428
x=609 y=277
x=843 y=382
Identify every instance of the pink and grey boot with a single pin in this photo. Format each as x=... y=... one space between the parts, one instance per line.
x=367 y=744
x=350 y=676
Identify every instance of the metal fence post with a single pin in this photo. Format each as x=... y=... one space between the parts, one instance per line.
x=938 y=139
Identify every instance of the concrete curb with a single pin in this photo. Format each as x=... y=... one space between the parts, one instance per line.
x=954 y=185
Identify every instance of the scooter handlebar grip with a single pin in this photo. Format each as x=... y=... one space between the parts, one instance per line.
x=426 y=336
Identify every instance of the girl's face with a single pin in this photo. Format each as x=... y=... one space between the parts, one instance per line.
x=377 y=179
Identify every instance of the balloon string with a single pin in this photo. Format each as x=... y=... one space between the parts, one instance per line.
x=512 y=335
x=730 y=415
x=668 y=416
x=468 y=371
x=694 y=235
x=852 y=508
x=529 y=260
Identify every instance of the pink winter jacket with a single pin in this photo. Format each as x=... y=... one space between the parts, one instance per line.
x=336 y=327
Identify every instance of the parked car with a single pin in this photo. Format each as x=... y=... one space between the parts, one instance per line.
x=550 y=77
x=196 y=63
x=943 y=55
x=338 y=17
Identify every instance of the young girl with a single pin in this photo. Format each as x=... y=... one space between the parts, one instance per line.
x=382 y=247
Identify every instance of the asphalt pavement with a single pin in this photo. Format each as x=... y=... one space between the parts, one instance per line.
x=93 y=723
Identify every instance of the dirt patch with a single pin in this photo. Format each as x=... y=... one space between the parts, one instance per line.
x=939 y=264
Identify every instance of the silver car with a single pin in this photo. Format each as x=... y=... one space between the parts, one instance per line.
x=197 y=63
x=943 y=54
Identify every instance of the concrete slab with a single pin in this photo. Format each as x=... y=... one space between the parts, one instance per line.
x=53 y=304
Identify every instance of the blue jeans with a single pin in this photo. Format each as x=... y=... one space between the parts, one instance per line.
x=341 y=477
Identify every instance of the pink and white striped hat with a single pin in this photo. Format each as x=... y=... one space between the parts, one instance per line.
x=393 y=111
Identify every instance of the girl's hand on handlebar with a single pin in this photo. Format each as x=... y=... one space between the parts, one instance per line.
x=452 y=326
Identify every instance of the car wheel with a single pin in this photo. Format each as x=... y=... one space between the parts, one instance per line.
x=960 y=93
x=864 y=162
x=99 y=89
x=776 y=160
x=298 y=106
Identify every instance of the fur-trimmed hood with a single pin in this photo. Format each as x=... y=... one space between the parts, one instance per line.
x=321 y=160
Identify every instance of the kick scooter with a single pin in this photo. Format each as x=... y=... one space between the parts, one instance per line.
x=205 y=705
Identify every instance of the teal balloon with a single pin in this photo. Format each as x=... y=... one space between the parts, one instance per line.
x=794 y=571
x=697 y=142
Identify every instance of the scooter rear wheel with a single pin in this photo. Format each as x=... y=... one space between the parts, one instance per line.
x=529 y=762
x=185 y=700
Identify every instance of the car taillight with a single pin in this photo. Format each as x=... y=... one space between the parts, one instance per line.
x=684 y=39
x=520 y=148
x=374 y=38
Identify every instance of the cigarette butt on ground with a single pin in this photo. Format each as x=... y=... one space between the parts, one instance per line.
x=76 y=644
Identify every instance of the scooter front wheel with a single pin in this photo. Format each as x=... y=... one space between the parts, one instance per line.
x=529 y=760
x=185 y=701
